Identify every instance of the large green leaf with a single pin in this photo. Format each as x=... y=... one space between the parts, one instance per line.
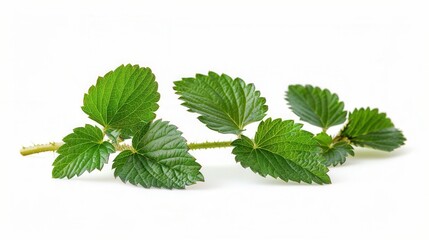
x=282 y=150
x=160 y=159
x=370 y=128
x=316 y=106
x=123 y=98
x=83 y=150
x=225 y=105
x=334 y=153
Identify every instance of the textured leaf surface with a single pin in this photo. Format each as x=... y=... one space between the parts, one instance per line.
x=333 y=153
x=370 y=128
x=83 y=150
x=316 y=106
x=225 y=105
x=123 y=98
x=282 y=150
x=161 y=159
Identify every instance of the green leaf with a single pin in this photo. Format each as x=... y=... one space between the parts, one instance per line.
x=282 y=150
x=225 y=105
x=316 y=106
x=323 y=139
x=123 y=98
x=160 y=159
x=83 y=150
x=370 y=128
x=334 y=153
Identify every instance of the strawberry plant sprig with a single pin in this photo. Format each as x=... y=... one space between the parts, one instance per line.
x=124 y=102
x=366 y=127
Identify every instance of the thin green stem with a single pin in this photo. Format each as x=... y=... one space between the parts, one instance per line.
x=207 y=145
x=38 y=148
x=52 y=147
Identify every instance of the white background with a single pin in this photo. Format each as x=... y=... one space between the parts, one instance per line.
x=372 y=53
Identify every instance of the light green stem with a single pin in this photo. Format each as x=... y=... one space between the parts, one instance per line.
x=38 y=148
x=120 y=147
x=207 y=145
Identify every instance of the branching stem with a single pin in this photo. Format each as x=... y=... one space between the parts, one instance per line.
x=53 y=146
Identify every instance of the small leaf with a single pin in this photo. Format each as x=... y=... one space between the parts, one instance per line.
x=83 y=150
x=370 y=128
x=337 y=153
x=282 y=150
x=334 y=153
x=316 y=106
x=123 y=98
x=114 y=135
x=160 y=159
x=323 y=139
x=225 y=105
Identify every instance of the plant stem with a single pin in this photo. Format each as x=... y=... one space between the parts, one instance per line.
x=207 y=145
x=340 y=138
x=119 y=147
x=38 y=148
